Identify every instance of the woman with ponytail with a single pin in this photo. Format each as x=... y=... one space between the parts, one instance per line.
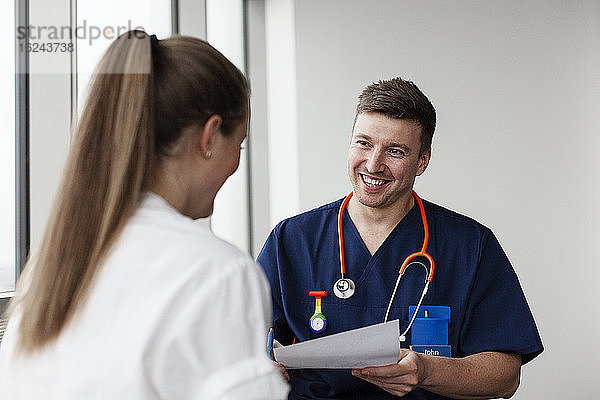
x=127 y=297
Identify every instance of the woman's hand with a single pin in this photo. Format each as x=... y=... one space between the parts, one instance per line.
x=282 y=369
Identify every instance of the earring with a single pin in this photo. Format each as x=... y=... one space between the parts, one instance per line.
x=208 y=154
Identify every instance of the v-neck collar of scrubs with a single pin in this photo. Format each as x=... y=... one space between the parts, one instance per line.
x=373 y=258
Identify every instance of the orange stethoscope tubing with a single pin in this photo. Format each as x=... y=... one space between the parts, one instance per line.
x=341 y=235
x=423 y=252
x=407 y=262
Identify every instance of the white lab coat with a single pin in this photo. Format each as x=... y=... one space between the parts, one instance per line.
x=175 y=313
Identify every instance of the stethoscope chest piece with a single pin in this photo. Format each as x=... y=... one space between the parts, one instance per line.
x=344 y=288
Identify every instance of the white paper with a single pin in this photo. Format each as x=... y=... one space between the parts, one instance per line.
x=373 y=345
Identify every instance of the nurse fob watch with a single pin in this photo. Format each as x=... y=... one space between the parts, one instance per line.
x=317 y=322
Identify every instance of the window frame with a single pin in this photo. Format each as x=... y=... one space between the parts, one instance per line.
x=187 y=16
x=22 y=232
x=22 y=204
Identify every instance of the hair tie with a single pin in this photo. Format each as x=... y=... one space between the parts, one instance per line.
x=153 y=42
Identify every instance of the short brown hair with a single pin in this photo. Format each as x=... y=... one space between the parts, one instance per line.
x=400 y=99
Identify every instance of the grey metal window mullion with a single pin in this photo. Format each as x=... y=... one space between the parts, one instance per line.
x=74 y=67
x=22 y=204
x=174 y=17
x=250 y=226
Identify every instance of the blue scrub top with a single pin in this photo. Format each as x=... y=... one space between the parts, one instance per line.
x=473 y=277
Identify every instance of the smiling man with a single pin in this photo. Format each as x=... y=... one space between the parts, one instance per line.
x=488 y=331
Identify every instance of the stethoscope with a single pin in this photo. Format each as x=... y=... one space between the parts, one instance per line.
x=344 y=287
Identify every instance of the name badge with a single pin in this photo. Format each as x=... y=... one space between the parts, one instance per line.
x=429 y=332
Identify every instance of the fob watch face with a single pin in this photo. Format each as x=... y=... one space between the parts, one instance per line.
x=317 y=323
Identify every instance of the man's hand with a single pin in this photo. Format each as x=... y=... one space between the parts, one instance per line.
x=398 y=379
x=486 y=375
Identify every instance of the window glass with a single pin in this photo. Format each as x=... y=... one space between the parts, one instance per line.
x=102 y=22
x=7 y=150
x=224 y=31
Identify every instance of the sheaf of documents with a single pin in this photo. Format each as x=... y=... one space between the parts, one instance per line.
x=373 y=345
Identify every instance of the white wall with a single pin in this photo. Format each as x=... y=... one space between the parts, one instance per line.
x=517 y=88
x=282 y=116
x=230 y=218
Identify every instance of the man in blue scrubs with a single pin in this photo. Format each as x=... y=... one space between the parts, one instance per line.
x=491 y=330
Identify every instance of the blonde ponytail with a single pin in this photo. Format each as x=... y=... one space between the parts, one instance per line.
x=110 y=158
x=117 y=144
